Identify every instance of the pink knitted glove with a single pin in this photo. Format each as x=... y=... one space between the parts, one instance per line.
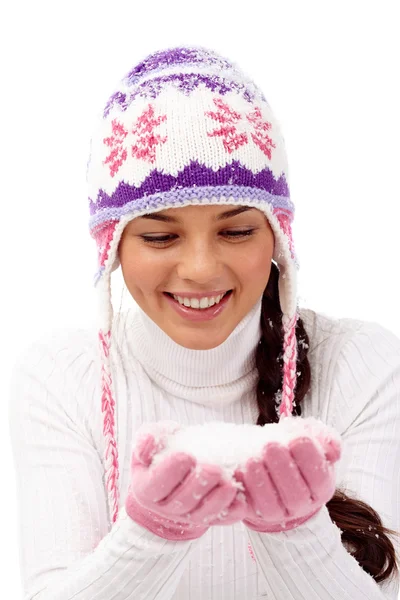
x=176 y=498
x=290 y=483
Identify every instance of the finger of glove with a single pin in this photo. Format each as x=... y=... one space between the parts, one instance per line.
x=262 y=493
x=331 y=443
x=250 y=508
x=333 y=450
x=213 y=504
x=236 y=511
x=153 y=484
x=332 y=447
x=151 y=438
x=145 y=449
x=287 y=479
x=187 y=496
x=315 y=469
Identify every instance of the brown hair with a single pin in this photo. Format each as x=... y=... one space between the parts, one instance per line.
x=376 y=555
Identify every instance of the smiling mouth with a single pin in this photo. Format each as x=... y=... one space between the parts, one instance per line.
x=228 y=293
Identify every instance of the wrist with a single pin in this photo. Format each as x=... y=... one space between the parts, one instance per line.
x=263 y=526
x=168 y=529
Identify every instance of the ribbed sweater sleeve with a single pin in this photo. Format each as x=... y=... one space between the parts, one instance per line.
x=310 y=562
x=67 y=549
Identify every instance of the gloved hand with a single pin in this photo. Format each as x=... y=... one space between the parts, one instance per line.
x=177 y=499
x=290 y=482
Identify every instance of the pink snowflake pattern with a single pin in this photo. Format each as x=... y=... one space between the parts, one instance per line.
x=118 y=153
x=229 y=118
x=232 y=140
x=147 y=140
x=260 y=137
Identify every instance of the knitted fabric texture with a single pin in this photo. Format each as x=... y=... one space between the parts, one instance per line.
x=186 y=126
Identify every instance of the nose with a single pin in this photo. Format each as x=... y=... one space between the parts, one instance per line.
x=200 y=262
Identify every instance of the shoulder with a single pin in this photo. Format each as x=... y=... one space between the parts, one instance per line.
x=61 y=349
x=350 y=334
x=55 y=387
x=53 y=376
x=71 y=351
x=327 y=330
x=352 y=360
x=66 y=364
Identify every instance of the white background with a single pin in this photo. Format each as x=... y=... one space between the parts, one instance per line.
x=330 y=72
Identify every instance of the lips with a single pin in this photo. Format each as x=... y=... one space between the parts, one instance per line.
x=199 y=314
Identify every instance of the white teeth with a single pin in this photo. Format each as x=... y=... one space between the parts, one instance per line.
x=203 y=303
x=199 y=303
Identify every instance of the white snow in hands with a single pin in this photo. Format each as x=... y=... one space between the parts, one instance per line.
x=230 y=445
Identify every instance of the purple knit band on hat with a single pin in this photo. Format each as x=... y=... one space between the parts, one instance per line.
x=196 y=175
x=181 y=197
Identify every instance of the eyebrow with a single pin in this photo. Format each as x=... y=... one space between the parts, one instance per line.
x=220 y=217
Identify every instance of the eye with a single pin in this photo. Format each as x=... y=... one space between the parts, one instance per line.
x=164 y=239
x=238 y=234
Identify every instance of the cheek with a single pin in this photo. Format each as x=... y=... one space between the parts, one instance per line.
x=140 y=271
x=254 y=267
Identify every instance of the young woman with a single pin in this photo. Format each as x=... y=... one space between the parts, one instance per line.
x=188 y=193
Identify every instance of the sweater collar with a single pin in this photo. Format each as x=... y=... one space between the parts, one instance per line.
x=220 y=374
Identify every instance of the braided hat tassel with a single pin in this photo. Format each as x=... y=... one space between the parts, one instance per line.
x=108 y=410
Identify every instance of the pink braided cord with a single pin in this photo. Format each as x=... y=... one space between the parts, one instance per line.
x=290 y=363
x=108 y=409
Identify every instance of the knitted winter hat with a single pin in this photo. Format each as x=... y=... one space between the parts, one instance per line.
x=186 y=126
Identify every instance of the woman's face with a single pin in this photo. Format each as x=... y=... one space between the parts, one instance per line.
x=201 y=250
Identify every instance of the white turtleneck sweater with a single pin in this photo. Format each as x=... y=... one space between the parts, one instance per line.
x=69 y=551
